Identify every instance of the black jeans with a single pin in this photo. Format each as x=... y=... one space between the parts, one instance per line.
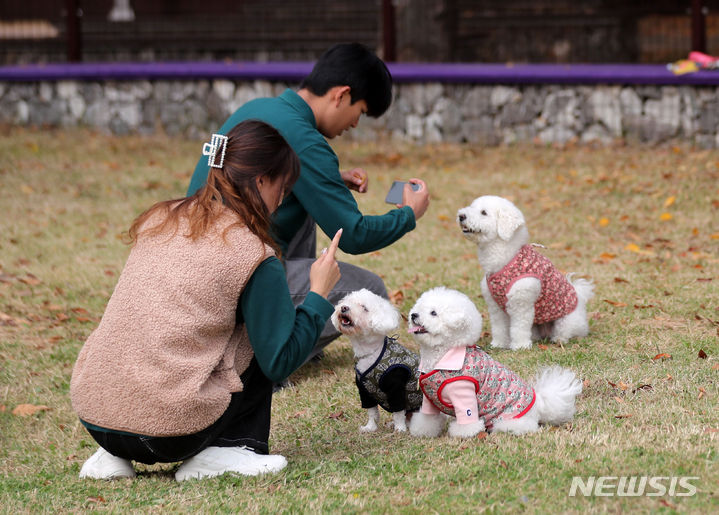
x=245 y=422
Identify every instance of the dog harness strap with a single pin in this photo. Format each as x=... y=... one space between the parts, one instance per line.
x=558 y=297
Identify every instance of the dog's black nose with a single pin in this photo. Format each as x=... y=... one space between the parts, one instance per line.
x=462 y=218
x=344 y=309
x=414 y=317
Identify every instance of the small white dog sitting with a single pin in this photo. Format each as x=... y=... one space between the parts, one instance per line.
x=386 y=373
x=460 y=380
x=527 y=297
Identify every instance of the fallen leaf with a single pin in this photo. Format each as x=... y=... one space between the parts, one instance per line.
x=664 y=217
x=620 y=280
x=716 y=365
x=702 y=393
x=25 y=410
x=633 y=247
x=642 y=387
x=542 y=346
x=623 y=385
x=627 y=415
x=711 y=430
x=337 y=415
x=482 y=435
x=615 y=303
x=662 y=355
x=669 y=505
x=30 y=280
x=607 y=255
x=397 y=297
x=618 y=399
x=96 y=499
x=603 y=222
x=669 y=201
x=702 y=354
x=443 y=218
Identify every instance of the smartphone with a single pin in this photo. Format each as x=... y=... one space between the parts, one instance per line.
x=394 y=195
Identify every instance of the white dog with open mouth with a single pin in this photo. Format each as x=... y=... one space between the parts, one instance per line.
x=386 y=373
x=527 y=297
x=460 y=380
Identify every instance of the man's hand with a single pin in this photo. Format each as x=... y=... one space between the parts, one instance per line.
x=417 y=200
x=356 y=179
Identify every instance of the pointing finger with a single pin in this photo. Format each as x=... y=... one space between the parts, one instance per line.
x=335 y=243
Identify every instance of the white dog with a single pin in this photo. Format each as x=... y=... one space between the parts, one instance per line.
x=460 y=380
x=527 y=297
x=386 y=373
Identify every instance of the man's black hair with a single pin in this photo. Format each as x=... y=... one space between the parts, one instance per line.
x=356 y=66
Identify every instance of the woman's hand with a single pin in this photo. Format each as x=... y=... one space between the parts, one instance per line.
x=325 y=272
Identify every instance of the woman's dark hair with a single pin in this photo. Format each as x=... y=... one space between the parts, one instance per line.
x=356 y=66
x=254 y=149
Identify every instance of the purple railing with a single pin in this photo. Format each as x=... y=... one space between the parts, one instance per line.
x=402 y=72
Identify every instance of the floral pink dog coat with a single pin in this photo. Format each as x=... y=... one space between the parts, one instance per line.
x=558 y=297
x=468 y=384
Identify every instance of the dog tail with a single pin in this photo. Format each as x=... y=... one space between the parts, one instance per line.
x=583 y=287
x=556 y=389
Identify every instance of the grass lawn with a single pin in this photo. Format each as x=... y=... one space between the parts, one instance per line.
x=642 y=223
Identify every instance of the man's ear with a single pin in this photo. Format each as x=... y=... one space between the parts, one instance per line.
x=338 y=93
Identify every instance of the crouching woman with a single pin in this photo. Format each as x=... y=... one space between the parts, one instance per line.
x=201 y=324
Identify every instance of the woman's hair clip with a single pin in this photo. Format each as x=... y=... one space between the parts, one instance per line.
x=218 y=142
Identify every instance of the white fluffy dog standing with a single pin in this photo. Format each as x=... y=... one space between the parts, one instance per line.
x=386 y=373
x=527 y=297
x=460 y=380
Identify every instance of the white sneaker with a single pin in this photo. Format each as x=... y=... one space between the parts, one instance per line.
x=215 y=461
x=103 y=465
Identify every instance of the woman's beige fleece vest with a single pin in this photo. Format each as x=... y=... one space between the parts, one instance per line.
x=167 y=354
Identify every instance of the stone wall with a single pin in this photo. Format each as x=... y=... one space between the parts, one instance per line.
x=429 y=112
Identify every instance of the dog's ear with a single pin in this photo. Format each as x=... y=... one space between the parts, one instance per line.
x=509 y=219
x=385 y=319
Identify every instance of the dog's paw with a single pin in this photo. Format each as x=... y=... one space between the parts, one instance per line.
x=457 y=430
x=429 y=426
x=521 y=344
x=370 y=427
x=500 y=344
x=399 y=421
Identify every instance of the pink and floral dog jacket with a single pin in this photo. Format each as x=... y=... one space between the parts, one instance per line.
x=468 y=384
x=558 y=297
